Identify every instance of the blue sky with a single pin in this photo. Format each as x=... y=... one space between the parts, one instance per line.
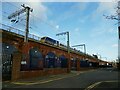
x=84 y=21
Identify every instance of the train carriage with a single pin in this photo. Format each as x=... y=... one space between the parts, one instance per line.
x=49 y=41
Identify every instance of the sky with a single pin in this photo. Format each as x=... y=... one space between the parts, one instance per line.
x=84 y=21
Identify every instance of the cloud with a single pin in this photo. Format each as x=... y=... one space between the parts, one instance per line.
x=103 y=26
x=72 y=11
x=112 y=31
x=77 y=29
x=54 y=25
x=39 y=10
x=57 y=26
x=81 y=6
x=103 y=29
x=115 y=45
x=107 y=8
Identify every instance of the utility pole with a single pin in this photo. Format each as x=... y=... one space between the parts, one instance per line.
x=17 y=13
x=81 y=45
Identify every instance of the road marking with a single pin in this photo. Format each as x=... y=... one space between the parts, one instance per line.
x=92 y=86
x=52 y=80
x=22 y=83
x=111 y=81
x=97 y=83
x=41 y=82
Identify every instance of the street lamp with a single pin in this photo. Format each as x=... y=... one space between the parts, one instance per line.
x=81 y=45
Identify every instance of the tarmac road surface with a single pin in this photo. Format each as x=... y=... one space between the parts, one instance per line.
x=88 y=80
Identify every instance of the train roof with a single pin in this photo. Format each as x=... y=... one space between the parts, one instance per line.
x=49 y=38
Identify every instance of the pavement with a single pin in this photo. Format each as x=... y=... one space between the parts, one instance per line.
x=89 y=80
x=41 y=79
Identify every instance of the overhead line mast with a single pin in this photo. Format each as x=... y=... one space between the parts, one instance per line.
x=65 y=33
x=17 y=13
x=81 y=45
x=68 y=47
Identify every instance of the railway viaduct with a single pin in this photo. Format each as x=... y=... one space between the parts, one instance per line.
x=21 y=55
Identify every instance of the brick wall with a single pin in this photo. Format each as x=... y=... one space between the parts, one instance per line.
x=16 y=62
x=24 y=48
x=17 y=74
x=37 y=73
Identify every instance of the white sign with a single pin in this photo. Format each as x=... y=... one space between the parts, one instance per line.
x=23 y=62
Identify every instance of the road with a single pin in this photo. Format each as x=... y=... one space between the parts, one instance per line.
x=82 y=80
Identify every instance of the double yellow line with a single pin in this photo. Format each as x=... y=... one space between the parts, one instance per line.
x=39 y=82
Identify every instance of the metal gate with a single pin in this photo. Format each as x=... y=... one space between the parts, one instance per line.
x=36 y=59
x=63 y=60
x=50 y=60
x=6 y=66
x=73 y=64
x=7 y=52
